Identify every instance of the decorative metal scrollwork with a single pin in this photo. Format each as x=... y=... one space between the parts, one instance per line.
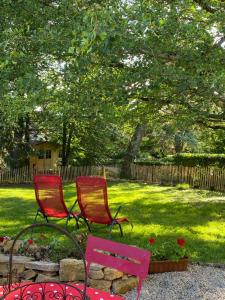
x=44 y=290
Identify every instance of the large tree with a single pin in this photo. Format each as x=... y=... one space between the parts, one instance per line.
x=86 y=64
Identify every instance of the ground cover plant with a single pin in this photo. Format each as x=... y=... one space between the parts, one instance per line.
x=167 y=212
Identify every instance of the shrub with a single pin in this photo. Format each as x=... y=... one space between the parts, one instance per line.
x=188 y=159
x=199 y=159
x=183 y=186
x=152 y=163
x=167 y=250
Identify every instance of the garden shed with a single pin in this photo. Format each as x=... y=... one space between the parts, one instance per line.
x=46 y=156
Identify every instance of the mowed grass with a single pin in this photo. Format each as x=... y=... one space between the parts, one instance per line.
x=169 y=213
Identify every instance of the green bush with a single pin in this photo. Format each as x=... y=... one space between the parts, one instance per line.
x=157 y=162
x=199 y=159
x=182 y=186
x=188 y=159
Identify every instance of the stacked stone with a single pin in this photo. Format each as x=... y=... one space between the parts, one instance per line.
x=68 y=270
x=100 y=277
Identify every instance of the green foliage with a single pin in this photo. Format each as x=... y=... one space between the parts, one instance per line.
x=59 y=249
x=167 y=250
x=199 y=159
x=188 y=159
x=183 y=186
x=106 y=66
x=155 y=162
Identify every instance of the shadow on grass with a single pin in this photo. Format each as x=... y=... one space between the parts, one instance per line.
x=150 y=208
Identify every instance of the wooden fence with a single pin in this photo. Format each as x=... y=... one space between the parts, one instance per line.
x=68 y=174
x=210 y=178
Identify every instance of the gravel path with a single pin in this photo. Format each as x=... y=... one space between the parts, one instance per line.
x=198 y=283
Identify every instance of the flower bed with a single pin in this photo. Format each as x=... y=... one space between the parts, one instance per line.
x=168 y=256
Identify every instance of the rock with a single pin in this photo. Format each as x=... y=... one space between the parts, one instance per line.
x=48 y=273
x=27 y=281
x=42 y=266
x=17 y=268
x=8 y=245
x=96 y=267
x=45 y=278
x=4 y=269
x=3 y=280
x=96 y=274
x=28 y=274
x=71 y=270
x=111 y=274
x=122 y=286
x=104 y=285
x=18 y=263
x=18 y=259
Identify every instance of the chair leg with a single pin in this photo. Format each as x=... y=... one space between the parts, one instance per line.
x=35 y=218
x=131 y=224
x=110 y=230
x=77 y=223
x=67 y=221
x=111 y=227
x=88 y=226
x=121 y=230
x=139 y=288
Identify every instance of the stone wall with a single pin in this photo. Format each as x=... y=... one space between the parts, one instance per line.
x=68 y=270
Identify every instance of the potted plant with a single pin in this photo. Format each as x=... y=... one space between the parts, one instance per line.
x=168 y=256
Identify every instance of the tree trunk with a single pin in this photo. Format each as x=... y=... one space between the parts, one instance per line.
x=132 y=150
x=64 y=138
x=26 y=129
x=68 y=144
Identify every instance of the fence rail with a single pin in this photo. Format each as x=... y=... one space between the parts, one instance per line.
x=210 y=178
x=68 y=174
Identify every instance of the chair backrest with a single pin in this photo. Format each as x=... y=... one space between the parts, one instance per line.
x=93 y=199
x=16 y=289
x=128 y=259
x=49 y=195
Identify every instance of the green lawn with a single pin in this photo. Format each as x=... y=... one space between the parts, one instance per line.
x=198 y=216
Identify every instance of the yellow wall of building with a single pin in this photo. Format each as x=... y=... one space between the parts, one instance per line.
x=44 y=163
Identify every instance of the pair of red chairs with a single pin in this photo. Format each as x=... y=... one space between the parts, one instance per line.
x=92 y=199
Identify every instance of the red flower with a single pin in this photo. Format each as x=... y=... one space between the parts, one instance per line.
x=151 y=241
x=30 y=242
x=181 y=242
x=2 y=238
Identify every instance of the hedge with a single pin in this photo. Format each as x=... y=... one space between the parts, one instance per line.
x=189 y=159
x=199 y=159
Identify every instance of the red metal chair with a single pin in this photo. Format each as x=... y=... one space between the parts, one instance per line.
x=128 y=259
x=93 y=201
x=50 y=199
